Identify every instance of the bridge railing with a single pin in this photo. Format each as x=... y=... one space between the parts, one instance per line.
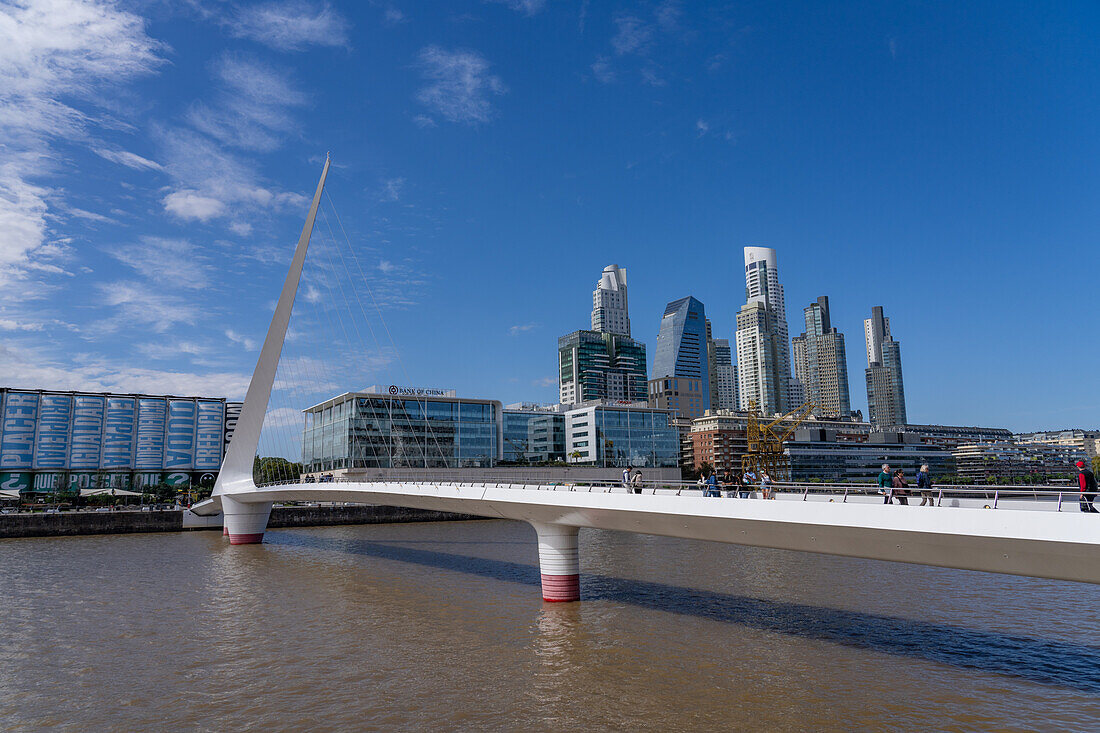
x=994 y=497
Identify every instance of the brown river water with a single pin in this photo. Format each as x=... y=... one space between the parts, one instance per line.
x=441 y=626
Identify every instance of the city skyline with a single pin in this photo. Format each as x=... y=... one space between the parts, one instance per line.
x=477 y=146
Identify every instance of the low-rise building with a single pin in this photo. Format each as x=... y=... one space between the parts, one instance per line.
x=832 y=457
x=1086 y=441
x=533 y=433
x=52 y=440
x=367 y=430
x=1008 y=460
x=622 y=434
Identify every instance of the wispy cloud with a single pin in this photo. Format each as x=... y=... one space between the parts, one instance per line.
x=209 y=182
x=165 y=262
x=251 y=110
x=631 y=36
x=602 y=70
x=138 y=305
x=247 y=343
x=545 y=382
x=171 y=350
x=391 y=189
x=128 y=159
x=34 y=367
x=518 y=329
x=459 y=86
x=529 y=7
x=57 y=62
x=290 y=26
x=636 y=35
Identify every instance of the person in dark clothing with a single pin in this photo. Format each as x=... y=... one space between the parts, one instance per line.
x=899 y=485
x=712 y=485
x=1086 y=481
x=924 y=483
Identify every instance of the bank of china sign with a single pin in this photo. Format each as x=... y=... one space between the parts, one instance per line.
x=417 y=391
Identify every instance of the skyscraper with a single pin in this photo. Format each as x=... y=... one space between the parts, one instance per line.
x=595 y=365
x=604 y=363
x=723 y=374
x=763 y=350
x=820 y=362
x=609 y=306
x=723 y=378
x=682 y=348
x=885 y=390
x=757 y=354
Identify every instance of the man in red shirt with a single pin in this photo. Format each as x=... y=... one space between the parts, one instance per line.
x=1087 y=483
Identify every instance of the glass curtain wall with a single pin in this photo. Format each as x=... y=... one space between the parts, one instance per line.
x=379 y=432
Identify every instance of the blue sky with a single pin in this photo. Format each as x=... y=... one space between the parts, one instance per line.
x=939 y=159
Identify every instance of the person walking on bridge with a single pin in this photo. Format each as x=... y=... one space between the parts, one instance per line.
x=1086 y=480
x=626 y=479
x=924 y=483
x=899 y=485
x=636 y=481
x=885 y=482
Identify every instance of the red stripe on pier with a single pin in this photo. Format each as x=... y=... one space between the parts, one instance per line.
x=246 y=539
x=561 y=588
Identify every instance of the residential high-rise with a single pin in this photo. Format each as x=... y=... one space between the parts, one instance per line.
x=595 y=365
x=763 y=350
x=876 y=329
x=820 y=363
x=682 y=348
x=885 y=389
x=723 y=374
x=609 y=305
x=758 y=346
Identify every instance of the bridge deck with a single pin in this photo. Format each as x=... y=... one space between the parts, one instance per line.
x=1022 y=540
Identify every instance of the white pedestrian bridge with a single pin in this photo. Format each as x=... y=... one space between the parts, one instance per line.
x=1021 y=532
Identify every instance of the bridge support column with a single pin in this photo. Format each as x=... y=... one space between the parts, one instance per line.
x=245 y=522
x=559 y=562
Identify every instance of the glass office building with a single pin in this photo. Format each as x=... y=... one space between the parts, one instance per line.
x=533 y=434
x=360 y=430
x=607 y=435
x=682 y=352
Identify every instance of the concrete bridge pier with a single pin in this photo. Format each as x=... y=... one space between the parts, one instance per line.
x=245 y=522
x=559 y=562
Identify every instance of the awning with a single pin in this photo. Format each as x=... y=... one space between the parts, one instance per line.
x=108 y=492
x=4 y=494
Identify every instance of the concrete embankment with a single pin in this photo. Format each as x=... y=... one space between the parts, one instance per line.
x=83 y=523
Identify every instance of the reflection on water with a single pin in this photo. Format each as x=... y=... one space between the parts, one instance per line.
x=441 y=625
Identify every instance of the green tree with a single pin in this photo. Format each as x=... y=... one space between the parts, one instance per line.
x=272 y=469
x=1096 y=464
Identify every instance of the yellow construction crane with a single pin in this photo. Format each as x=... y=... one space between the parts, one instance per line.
x=765 y=444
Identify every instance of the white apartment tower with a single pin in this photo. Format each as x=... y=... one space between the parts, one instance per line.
x=876 y=329
x=609 y=306
x=756 y=357
x=763 y=347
